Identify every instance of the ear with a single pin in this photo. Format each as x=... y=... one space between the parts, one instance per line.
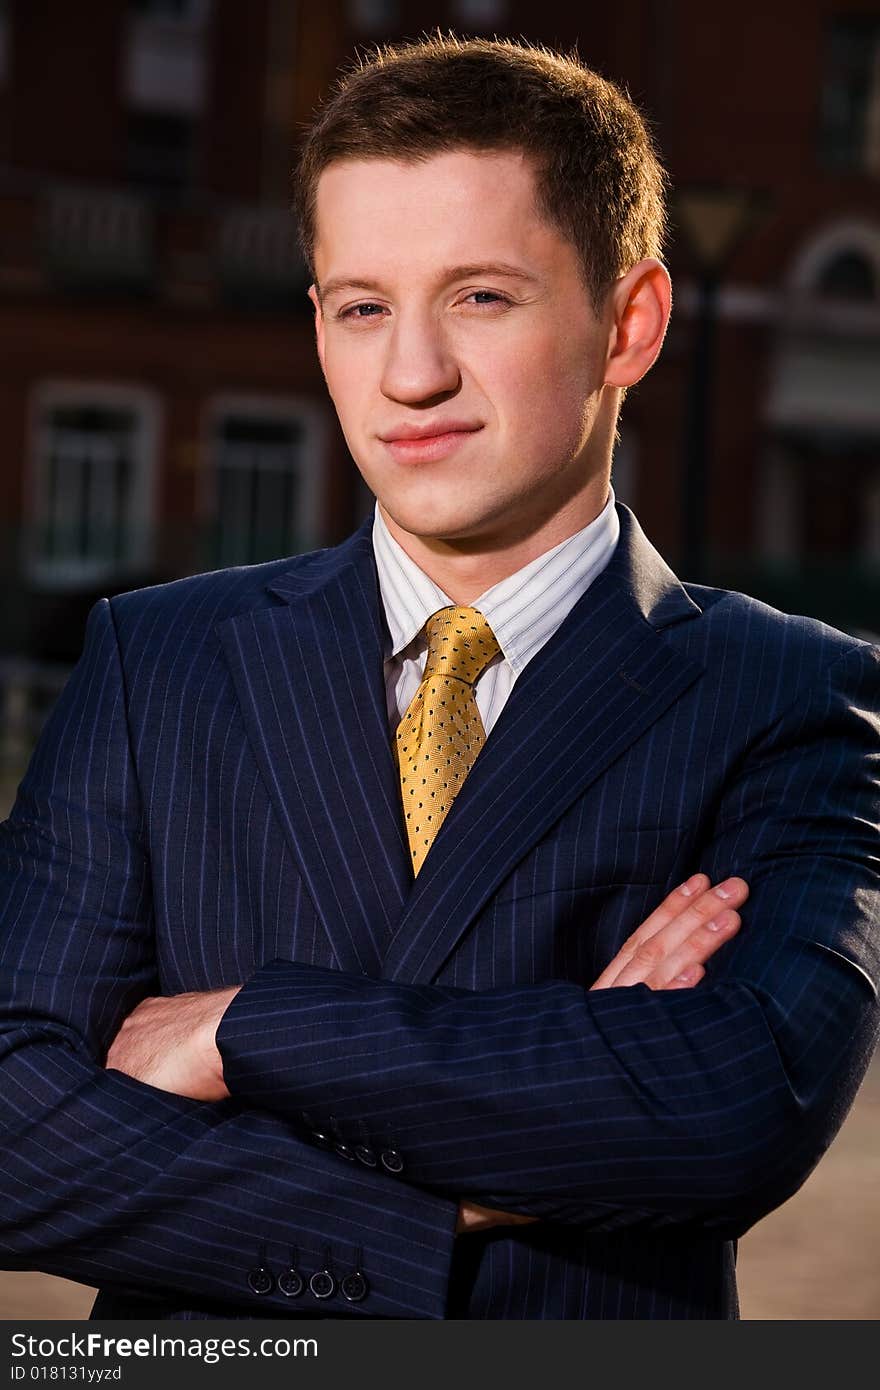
x=639 y=304
x=319 y=326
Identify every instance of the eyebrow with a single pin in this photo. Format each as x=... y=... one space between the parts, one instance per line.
x=456 y=272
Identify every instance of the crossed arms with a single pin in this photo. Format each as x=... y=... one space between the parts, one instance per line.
x=170 y=1041
x=653 y=1107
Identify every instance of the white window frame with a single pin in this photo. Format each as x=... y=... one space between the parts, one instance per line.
x=826 y=245
x=145 y=406
x=166 y=62
x=301 y=410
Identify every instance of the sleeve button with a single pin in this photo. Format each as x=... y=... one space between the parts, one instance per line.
x=354 y=1287
x=260 y=1279
x=364 y=1154
x=290 y=1282
x=392 y=1161
x=322 y=1284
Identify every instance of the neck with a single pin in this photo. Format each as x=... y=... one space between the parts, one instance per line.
x=465 y=567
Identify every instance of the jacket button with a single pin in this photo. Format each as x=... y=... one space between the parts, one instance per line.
x=392 y=1160
x=260 y=1279
x=354 y=1287
x=322 y=1284
x=364 y=1154
x=290 y=1282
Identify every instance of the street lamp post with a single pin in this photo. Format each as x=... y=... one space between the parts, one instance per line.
x=715 y=220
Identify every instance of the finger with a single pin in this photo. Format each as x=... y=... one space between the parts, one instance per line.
x=692 y=937
x=675 y=971
x=670 y=908
x=687 y=905
x=678 y=916
x=690 y=976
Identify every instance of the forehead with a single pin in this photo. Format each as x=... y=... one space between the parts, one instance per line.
x=458 y=205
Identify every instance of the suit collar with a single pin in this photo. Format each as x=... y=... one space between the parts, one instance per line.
x=656 y=592
x=524 y=609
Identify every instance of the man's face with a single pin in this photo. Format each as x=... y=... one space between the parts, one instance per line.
x=448 y=304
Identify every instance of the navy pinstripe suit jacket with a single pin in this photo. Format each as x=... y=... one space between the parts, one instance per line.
x=214 y=800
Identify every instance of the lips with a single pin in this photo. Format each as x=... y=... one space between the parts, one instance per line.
x=425 y=448
x=436 y=430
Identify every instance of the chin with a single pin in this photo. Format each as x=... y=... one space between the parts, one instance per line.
x=435 y=523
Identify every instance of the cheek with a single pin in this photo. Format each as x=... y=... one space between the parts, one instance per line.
x=347 y=383
x=546 y=393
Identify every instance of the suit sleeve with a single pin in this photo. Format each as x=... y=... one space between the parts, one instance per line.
x=113 y=1182
x=704 y=1107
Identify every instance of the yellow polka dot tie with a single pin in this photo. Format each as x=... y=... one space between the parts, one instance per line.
x=441 y=732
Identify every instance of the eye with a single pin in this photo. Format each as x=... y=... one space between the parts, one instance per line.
x=352 y=311
x=493 y=296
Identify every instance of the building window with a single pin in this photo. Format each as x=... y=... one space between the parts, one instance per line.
x=161 y=150
x=370 y=16
x=166 y=56
x=850 y=107
x=837 y=476
x=818 y=504
x=266 y=460
x=848 y=275
x=839 y=261
x=165 y=90
x=91 y=496
x=480 y=14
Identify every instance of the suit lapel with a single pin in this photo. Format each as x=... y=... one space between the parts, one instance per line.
x=604 y=677
x=308 y=675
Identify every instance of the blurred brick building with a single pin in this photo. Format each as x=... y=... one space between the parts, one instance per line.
x=161 y=406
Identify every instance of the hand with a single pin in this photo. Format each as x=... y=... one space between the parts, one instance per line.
x=670 y=947
x=666 y=952
x=168 y=1042
x=474 y=1218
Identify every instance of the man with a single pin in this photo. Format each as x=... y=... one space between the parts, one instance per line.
x=324 y=984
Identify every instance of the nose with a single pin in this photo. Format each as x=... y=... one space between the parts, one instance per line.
x=419 y=362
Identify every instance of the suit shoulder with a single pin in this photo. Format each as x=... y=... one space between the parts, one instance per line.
x=790 y=650
x=210 y=596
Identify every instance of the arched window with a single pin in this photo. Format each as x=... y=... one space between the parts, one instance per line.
x=840 y=260
x=848 y=275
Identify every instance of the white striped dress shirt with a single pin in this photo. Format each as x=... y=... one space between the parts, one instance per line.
x=524 y=610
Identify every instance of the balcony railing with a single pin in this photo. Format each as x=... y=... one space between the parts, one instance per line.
x=28 y=690
x=98 y=236
x=257 y=256
x=96 y=239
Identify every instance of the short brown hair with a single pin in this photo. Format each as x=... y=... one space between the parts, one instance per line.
x=599 y=180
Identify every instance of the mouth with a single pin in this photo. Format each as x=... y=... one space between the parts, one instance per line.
x=430 y=446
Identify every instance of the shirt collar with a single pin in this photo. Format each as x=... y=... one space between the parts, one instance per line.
x=523 y=610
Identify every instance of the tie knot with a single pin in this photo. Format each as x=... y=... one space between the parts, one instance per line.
x=460 y=643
